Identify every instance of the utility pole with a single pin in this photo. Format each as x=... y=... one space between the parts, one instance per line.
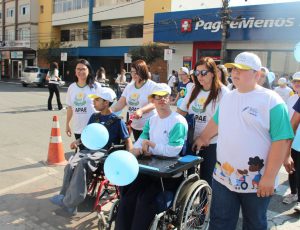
x=225 y=19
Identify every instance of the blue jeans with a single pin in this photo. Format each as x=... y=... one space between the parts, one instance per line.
x=226 y=207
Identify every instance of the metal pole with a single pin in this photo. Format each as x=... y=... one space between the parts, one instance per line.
x=63 y=71
x=224 y=19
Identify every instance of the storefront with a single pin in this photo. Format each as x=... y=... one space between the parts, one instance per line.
x=271 y=31
x=14 y=59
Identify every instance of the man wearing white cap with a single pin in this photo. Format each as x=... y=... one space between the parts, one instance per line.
x=257 y=122
x=163 y=135
x=74 y=190
x=283 y=90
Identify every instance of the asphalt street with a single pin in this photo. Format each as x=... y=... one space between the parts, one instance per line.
x=27 y=182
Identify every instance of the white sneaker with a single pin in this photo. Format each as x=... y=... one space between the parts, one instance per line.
x=290 y=198
x=297 y=207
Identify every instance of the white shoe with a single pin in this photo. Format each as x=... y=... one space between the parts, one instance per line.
x=297 y=207
x=290 y=198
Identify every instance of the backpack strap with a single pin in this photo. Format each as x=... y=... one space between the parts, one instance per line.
x=111 y=121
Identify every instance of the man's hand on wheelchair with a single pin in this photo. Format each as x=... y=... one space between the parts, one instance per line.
x=199 y=143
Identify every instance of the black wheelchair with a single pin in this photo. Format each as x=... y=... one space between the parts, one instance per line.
x=188 y=208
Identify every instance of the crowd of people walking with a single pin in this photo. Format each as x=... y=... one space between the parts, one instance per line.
x=242 y=130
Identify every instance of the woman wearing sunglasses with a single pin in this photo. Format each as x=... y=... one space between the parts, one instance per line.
x=202 y=102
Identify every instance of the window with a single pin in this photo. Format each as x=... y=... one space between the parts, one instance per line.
x=10 y=35
x=10 y=12
x=134 y=31
x=61 y=6
x=24 y=10
x=65 y=35
x=74 y=35
x=106 y=32
x=23 y=34
x=41 y=9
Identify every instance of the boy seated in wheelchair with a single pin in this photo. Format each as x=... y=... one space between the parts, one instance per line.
x=74 y=187
x=164 y=134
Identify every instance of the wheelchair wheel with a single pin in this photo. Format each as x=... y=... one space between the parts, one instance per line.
x=113 y=215
x=195 y=207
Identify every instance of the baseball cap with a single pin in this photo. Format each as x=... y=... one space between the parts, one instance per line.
x=185 y=70
x=105 y=93
x=265 y=69
x=161 y=89
x=296 y=76
x=282 y=81
x=245 y=61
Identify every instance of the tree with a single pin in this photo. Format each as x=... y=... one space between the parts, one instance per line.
x=50 y=51
x=148 y=52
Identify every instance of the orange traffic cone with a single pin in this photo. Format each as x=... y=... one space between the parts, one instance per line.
x=56 y=154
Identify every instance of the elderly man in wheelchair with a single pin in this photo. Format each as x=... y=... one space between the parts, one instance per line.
x=83 y=164
x=163 y=195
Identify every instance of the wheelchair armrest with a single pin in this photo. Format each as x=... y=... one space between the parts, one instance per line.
x=115 y=148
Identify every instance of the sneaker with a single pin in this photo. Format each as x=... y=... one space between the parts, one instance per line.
x=290 y=198
x=297 y=207
x=58 y=200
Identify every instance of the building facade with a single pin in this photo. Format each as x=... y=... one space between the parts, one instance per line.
x=18 y=34
x=269 y=30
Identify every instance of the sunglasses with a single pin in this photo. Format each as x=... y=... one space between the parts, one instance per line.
x=157 y=97
x=201 y=72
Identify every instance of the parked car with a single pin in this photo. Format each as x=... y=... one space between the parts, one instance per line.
x=33 y=75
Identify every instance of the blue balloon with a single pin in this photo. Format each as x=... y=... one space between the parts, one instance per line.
x=179 y=102
x=271 y=77
x=121 y=168
x=297 y=52
x=94 y=136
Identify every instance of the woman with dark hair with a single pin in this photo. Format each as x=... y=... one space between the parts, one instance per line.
x=135 y=96
x=53 y=78
x=79 y=105
x=222 y=74
x=202 y=101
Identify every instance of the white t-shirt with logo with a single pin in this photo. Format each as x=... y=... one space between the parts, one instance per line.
x=202 y=116
x=248 y=123
x=167 y=133
x=138 y=98
x=81 y=104
x=284 y=92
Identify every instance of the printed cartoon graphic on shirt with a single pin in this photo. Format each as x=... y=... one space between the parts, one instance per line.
x=182 y=92
x=217 y=168
x=255 y=165
x=240 y=181
x=134 y=99
x=227 y=170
